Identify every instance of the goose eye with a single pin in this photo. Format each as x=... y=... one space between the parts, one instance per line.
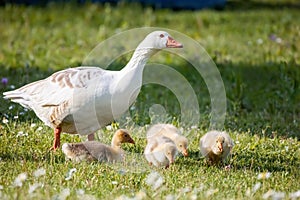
x=161 y=35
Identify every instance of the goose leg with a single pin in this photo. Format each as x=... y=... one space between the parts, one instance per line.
x=56 y=142
x=91 y=137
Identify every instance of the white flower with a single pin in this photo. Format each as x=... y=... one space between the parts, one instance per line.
x=32 y=125
x=64 y=194
x=70 y=174
x=186 y=190
x=39 y=128
x=194 y=127
x=259 y=41
x=114 y=182
x=16 y=117
x=109 y=128
x=211 y=192
x=155 y=180
x=278 y=40
x=4 y=120
x=12 y=87
x=20 y=179
x=275 y=195
x=39 y=172
x=140 y=195
x=10 y=107
x=80 y=192
x=295 y=195
x=21 y=134
x=256 y=187
x=170 y=197
x=1 y=187
x=33 y=187
x=264 y=175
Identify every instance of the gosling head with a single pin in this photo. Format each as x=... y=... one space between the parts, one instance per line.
x=122 y=136
x=170 y=152
x=182 y=145
x=218 y=146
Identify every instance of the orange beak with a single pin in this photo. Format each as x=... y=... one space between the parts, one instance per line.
x=131 y=141
x=185 y=153
x=171 y=43
x=220 y=146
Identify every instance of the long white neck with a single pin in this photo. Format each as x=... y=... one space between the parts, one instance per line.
x=139 y=59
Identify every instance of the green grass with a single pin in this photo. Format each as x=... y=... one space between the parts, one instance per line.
x=261 y=77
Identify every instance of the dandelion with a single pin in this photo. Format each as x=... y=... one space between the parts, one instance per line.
x=155 y=180
x=295 y=195
x=70 y=174
x=4 y=120
x=264 y=175
x=33 y=187
x=4 y=81
x=39 y=172
x=20 y=179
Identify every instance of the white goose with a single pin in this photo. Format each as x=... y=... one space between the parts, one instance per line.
x=82 y=100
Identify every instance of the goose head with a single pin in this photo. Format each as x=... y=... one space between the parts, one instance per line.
x=170 y=152
x=159 y=40
x=182 y=145
x=121 y=136
x=218 y=146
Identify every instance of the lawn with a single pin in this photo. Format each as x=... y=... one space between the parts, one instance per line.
x=255 y=46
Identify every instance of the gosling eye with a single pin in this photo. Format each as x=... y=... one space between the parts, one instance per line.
x=161 y=35
x=180 y=145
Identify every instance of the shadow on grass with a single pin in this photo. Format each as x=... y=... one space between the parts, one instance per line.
x=260 y=98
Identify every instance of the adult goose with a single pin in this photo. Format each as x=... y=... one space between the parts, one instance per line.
x=81 y=100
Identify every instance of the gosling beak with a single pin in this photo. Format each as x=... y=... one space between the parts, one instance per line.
x=185 y=153
x=131 y=141
x=171 y=43
x=220 y=146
